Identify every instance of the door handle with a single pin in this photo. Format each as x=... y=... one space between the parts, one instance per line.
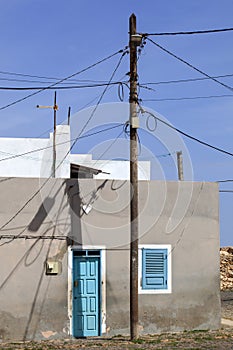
x=76 y=283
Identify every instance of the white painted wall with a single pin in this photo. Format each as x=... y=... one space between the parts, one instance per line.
x=26 y=165
x=39 y=164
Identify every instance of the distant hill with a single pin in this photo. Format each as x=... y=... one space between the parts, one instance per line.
x=226 y=268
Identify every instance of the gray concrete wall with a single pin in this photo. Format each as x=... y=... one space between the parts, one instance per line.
x=35 y=306
x=195 y=300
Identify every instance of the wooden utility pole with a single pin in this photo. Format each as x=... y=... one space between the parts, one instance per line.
x=180 y=165
x=134 y=41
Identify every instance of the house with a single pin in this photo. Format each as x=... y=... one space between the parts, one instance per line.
x=64 y=257
x=33 y=157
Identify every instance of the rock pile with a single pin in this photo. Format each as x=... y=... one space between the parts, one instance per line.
x=226 y=268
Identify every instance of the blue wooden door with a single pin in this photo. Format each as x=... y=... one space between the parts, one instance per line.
x=86 y=295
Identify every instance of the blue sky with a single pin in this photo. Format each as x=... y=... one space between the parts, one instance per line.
x=57 y=38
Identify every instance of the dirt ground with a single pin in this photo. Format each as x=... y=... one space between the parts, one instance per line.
x=196 y=340
x=220 y=340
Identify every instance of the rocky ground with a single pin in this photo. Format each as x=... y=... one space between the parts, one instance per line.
x=226 y=268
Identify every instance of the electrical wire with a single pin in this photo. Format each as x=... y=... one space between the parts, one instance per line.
x=193 y=32
x=148 y=125
x=12 y=237
x=226 y=191
x=121 y=91
x=75 y=139
x=190 y=65
x=185 y=80
x=108 y=148
x=96 y=98
x=62 y=80
x=104 y=81
x=60 y=143
x=50 y=78
x=224 y=181
x=184 y=98
x=35 y=194
x=62 y=87
x=185 y=134
x=165 y=155
x=146 y=87
x=125 y=51
x=51 y=82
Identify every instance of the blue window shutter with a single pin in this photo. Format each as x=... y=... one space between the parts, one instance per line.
x=154 y=268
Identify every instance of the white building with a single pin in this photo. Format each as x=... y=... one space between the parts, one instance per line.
x=33 y=157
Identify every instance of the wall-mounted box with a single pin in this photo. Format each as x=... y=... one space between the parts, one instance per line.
x=53 y=267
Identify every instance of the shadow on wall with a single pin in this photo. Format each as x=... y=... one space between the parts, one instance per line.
x=73 y=192
x=43 y=211
x=41 y=214
x=32 y=256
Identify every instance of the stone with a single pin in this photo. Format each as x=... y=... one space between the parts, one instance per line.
x=226 y=268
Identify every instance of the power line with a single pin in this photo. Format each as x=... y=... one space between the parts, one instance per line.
x=185 y=80
x=61 y=87
x=224 y=181
x=71 y=147
x=185 y=134
x=50 y=78
x=60 y=81
x=60 y=143
x=12 y=237
x=179 y=98
x=191 y=66
x=83 y=107
x=108 y=148
x=104 y=81
x=96 y=98
x=165 y=155
x=79 y=137
x=115 y=82
x=34 y=195
x=51 y=82
x=226 y=191
x=194 y=32
x=185 y=98
x=124 y=52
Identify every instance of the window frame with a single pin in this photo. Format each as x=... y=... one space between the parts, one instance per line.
x=167 y=290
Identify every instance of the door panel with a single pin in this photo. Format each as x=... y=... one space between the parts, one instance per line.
x=86 y=298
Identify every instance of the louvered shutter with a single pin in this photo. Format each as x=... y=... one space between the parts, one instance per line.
x=154 y=268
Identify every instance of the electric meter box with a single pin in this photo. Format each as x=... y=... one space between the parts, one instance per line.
x=53 y=267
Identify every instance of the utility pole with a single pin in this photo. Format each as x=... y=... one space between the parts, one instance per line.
x=180 y=165
x=134 y=41
x=55 y=108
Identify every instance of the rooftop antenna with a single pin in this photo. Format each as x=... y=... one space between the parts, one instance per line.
x=68 y=121
x=55 y=108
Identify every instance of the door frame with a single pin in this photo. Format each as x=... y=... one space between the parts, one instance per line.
x=102 y=250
